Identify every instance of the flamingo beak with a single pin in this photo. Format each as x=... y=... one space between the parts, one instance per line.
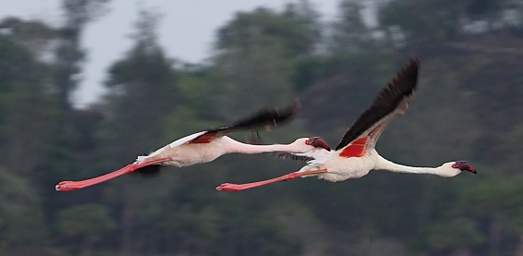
x=318 y=142
x=465 y=166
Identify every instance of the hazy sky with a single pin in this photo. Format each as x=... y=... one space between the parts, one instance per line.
x=186 y=29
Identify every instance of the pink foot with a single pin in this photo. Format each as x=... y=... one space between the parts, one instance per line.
x=68 y=185
x=229 y=187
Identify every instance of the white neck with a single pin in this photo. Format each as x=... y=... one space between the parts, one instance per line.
x=384 y=164
x=235 y=146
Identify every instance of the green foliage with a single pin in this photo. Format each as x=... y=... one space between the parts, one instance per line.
x=495 y=198
x=257 y=54
x=88 y=221
x=137 y=82
x=440 y=24
x=445 y=20
x=295 y=30
x=21 y=215
x=350 y=32
x=454 y=234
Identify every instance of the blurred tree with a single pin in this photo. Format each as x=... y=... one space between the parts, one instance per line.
x=85 y=225
x=295 y=29
x=350 y=33
x=22 y=228
x=418 y=22
x=456 y=234
x=429 y=22
x=35 y=36
x=142 y=93
x=256 y=55
x=66 y=152
x=69 y=53
x=24 y=84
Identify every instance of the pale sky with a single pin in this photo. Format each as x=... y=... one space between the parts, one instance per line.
x=186 y=30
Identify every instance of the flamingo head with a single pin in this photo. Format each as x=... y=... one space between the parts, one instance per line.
x=310 y=144
x=454 y=168
x=464 y=166
x=318 y=143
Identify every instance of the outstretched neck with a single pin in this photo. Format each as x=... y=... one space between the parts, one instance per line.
x=384 y=164
x=235 y=146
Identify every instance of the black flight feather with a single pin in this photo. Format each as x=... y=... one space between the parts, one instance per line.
x=401 y=87
x=263 y=119
x=266 y=118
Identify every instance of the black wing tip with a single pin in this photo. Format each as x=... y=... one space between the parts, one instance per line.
x=264 y=119
x=272 y=117
x=407 y=78
x=287 y=113
x=402 y=85
x=414 y=61
x=412 y=67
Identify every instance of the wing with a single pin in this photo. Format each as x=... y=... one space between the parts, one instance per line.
x=173 y=144
x=390 y=102
x=263 y=119
x=188 y=138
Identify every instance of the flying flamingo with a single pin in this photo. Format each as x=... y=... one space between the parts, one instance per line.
x=206 y=146
x=355 y=156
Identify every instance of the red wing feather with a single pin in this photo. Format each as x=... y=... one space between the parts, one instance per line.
x=356 y=148
x=205 y=138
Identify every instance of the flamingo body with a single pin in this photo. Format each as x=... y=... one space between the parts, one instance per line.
x=343 y=168
x=355 y=156
x=203 y=147
x=182 y=153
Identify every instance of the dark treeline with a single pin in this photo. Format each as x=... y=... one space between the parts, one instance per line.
x=469 y=106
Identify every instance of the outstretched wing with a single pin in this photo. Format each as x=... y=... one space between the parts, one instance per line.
x=263 y=119
x=391 y=101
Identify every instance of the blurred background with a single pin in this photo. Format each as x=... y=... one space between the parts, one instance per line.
x=76 y=102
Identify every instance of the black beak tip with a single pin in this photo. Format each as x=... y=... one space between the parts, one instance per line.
x=465 y=166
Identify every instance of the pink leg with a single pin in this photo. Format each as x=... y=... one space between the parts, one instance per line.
x=229 y=187
x=75 y=185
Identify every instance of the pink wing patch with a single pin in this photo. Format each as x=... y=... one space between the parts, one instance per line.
x=204 y=138
x=356 y=148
